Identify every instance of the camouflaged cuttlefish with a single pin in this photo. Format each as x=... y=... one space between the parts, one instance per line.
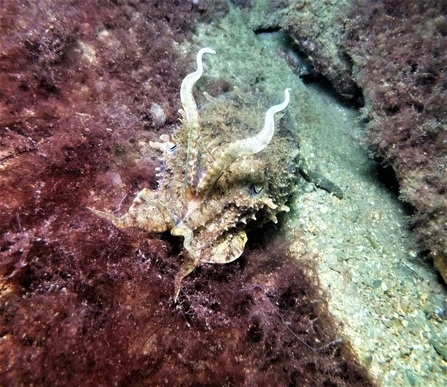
x=218 y=177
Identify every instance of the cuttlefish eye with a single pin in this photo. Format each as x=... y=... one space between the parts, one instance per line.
x=172 y=146
x=256 y=190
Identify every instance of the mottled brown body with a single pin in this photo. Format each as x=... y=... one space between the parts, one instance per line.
x=212 y=206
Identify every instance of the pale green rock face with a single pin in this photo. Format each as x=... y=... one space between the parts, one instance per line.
x=207 y=199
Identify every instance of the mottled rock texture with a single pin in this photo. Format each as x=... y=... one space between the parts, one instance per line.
x=318 y=28
x=399 y=50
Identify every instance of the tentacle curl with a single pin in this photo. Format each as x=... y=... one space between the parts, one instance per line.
x=192 y=120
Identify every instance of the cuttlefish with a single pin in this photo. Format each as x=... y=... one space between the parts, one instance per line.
x=218 y=176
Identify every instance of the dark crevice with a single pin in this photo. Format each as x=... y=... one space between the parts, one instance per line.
x=266 y=30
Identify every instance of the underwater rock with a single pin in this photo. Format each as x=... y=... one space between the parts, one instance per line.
x=398 y=49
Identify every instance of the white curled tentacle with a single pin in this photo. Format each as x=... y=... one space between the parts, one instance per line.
x=191 y=116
